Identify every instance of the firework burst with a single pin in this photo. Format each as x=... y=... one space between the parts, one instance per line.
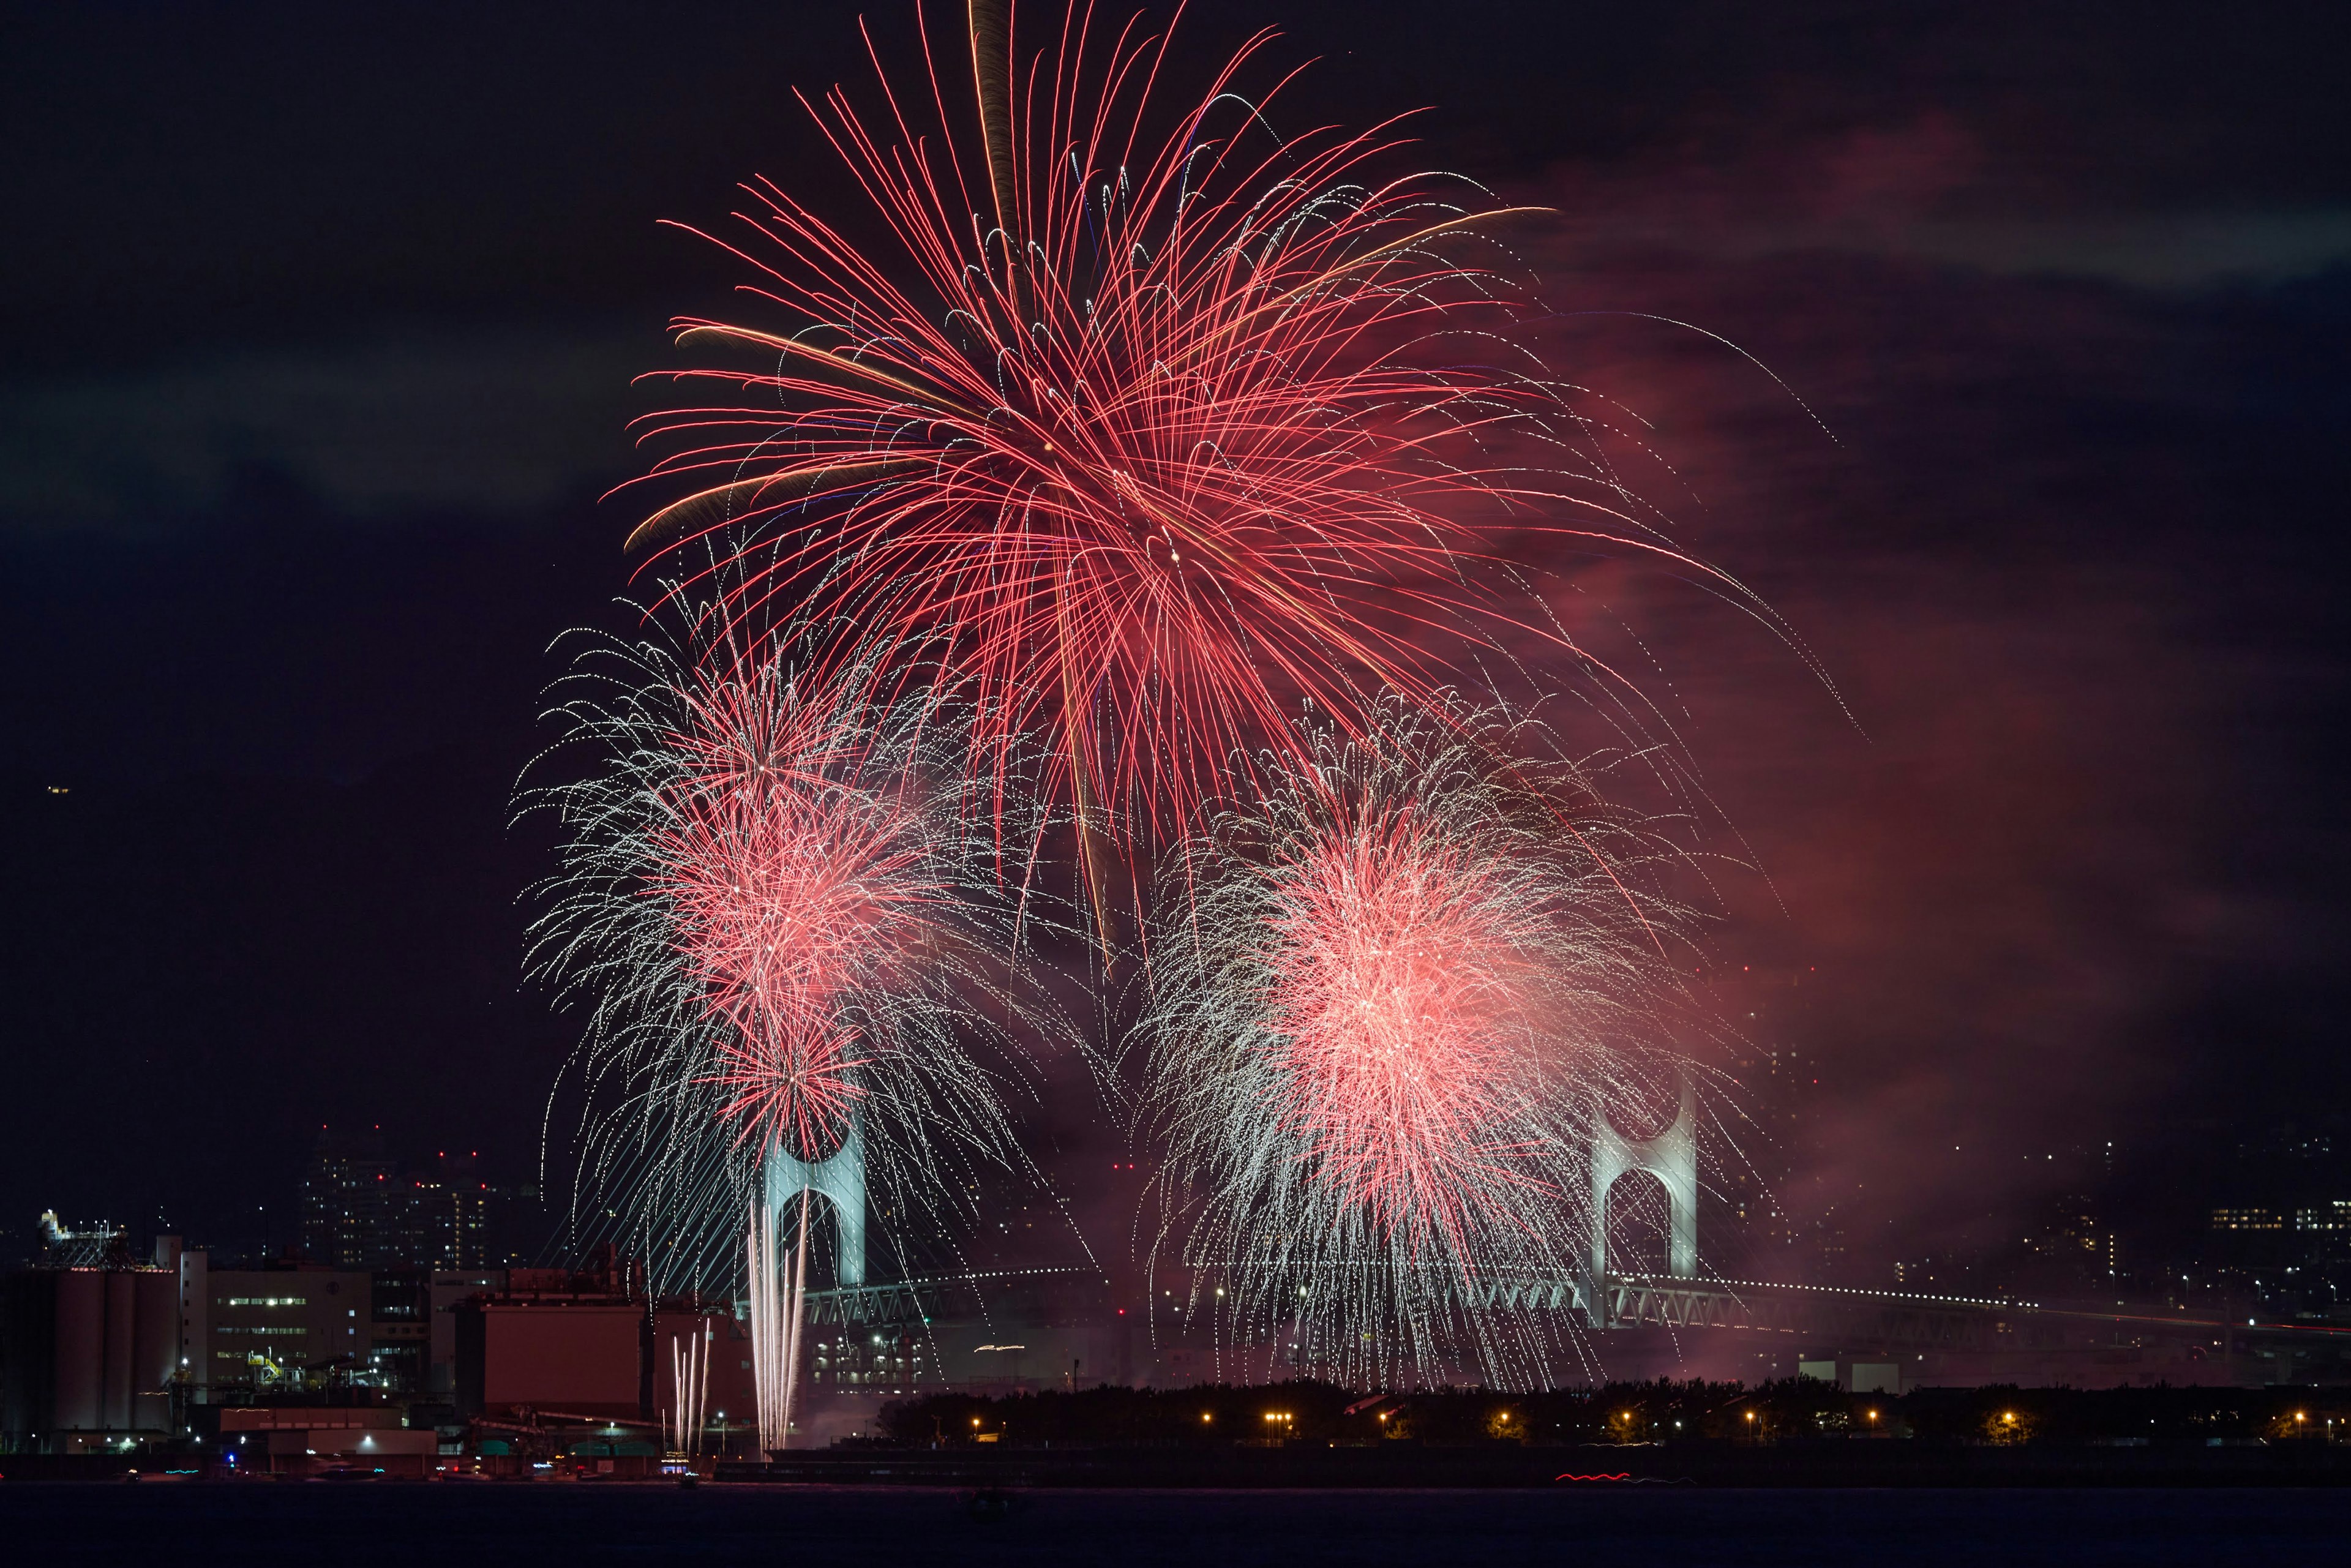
x=1384 y=1028
x=1399 y=986
x=781 y=922
x=795 y=901
x=1150 y=426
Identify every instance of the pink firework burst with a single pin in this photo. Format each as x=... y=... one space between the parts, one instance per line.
x=1384 y=1016
x=793 y=899
x=1399 y=1000
x=778 y=900
x=787 y=910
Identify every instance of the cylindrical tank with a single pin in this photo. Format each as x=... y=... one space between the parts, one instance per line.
x=155 y=1347
x=122 y=1318
x=80 y=1349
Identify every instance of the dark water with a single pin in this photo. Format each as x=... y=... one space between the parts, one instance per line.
x=352 y=1525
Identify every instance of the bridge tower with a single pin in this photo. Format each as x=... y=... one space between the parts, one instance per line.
x=840 y=1179
x=1672 y=1157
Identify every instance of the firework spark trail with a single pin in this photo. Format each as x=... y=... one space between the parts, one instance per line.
x=1158 y=425
x=782 y=920
x=1383 y=1028
x=689 y=1376
x=770 y=1338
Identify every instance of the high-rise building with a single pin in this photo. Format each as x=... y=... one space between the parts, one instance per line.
x=343 y=1207
x=361 y=1210
x=2070 y=1251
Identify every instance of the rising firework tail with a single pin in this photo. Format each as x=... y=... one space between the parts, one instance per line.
x=689 y=1375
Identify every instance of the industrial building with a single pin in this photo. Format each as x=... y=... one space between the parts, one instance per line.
x=295 y=1326
x=580 y=1352
x=278 y=1438
x=88 y=1345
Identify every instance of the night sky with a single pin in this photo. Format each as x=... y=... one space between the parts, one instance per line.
x=319 y=323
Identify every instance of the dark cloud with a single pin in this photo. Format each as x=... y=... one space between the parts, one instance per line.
x=1934 y=189
x=499 y=423
x=2062 y=562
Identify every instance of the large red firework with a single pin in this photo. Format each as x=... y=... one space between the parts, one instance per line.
x=1149 y=426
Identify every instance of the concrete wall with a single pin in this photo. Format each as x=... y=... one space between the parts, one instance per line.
x=448 y=1288
x=584 y=1357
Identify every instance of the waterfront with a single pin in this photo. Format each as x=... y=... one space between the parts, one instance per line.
x=362 y=1524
